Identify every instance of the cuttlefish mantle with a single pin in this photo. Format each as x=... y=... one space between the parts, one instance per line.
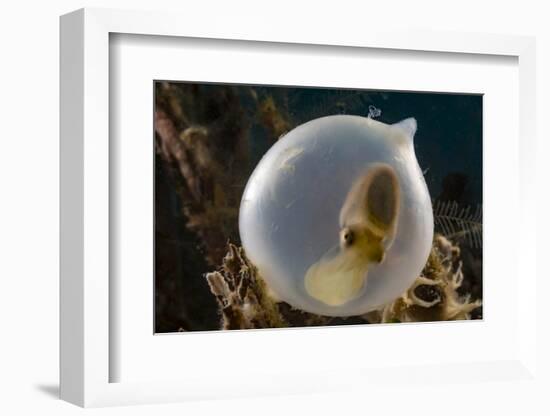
x=367 y=225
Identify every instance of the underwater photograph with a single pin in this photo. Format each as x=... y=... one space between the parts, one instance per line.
x=280 y=206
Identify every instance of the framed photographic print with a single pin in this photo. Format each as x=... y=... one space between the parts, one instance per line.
x=294 y=210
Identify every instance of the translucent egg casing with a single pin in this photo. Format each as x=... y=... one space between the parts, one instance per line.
x=290 y=211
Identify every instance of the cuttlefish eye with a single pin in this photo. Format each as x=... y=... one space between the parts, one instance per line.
x=347 y=237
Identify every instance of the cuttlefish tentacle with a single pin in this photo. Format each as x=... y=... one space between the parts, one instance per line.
x=368 y=220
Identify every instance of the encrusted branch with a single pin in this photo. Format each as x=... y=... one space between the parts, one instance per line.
x=245 y=302
x=434 y=295
x=242 y=295
x=203 y=160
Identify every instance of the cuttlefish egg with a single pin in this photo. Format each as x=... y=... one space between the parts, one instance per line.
x=337 y=216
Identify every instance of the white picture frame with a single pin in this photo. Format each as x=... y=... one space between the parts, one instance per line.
x=86 y=355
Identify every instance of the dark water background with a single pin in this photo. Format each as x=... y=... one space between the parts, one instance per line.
x=448 y=142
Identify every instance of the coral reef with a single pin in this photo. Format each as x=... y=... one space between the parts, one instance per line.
x=245 y=302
